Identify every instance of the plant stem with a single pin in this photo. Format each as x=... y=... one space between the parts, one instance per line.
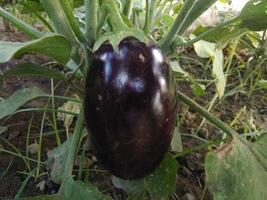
x=147 y=21
x=91 y=10
x=54 y=113
x=74 y=144
x=212 y=30
x=212 y=119
x=177 y=26
x=190 y=11
x=115 y=18
x=26 y=28
x=127 y=10
x=153 y=8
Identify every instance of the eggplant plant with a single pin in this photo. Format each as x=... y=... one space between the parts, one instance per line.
x=130 y=98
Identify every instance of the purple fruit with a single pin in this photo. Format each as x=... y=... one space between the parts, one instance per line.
x=130 y=107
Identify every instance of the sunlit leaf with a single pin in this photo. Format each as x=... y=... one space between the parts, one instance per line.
x=206 y=49
x=218 y=72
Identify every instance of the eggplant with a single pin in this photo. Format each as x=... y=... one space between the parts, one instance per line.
x=130 y=107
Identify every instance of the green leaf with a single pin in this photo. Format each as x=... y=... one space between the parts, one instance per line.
x=56 y=160
x=115 y=39
x=54 y=45
x=46 y=197
x=234 y=172
x=254 y=15
x=160 y=184
x=79 y=190
x=29 y=69
x=261 y=146
x=33 y=4
x=18 y=99
x=262 y=84
x=176 y=143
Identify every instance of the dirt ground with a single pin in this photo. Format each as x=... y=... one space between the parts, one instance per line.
x=190 y=176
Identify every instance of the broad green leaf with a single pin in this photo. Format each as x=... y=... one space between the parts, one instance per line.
x=61 y=15
x=176 y=143
x=160 y=184
x=81 y=191
x=18 y=99
x=261 y=146
x=56 y=160
x=206 y=49
x=29 y=69
x=46 y=197
x=234 y=172
x=54 y=45
x=254 y=15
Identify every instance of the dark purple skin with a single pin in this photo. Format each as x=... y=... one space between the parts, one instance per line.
x=130 y=107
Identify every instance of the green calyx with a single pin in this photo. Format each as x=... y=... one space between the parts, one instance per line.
x=120 y=29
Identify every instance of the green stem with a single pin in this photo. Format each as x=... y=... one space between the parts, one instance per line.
x=115 y=18
x=190 y=11
x=214 y=120
x=147 y=21
x=26 y=28
x=91 y=11
x=177 y=26
x=54 y=113
x=127 y=10
x=74 y=144
x=200 y=147
x=210 y=31
x=153 y=8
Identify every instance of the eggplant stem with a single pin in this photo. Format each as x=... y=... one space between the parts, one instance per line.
x=212 y=119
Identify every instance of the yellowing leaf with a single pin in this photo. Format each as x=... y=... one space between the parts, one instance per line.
x=218 y=73
x=69 y=106
x=206 y=49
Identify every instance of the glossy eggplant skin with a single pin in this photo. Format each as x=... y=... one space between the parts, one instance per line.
x=130 y=107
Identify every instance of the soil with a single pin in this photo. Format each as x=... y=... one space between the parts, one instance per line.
x=190 y=176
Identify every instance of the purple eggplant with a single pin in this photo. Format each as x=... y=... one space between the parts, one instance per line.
x=130 y=107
